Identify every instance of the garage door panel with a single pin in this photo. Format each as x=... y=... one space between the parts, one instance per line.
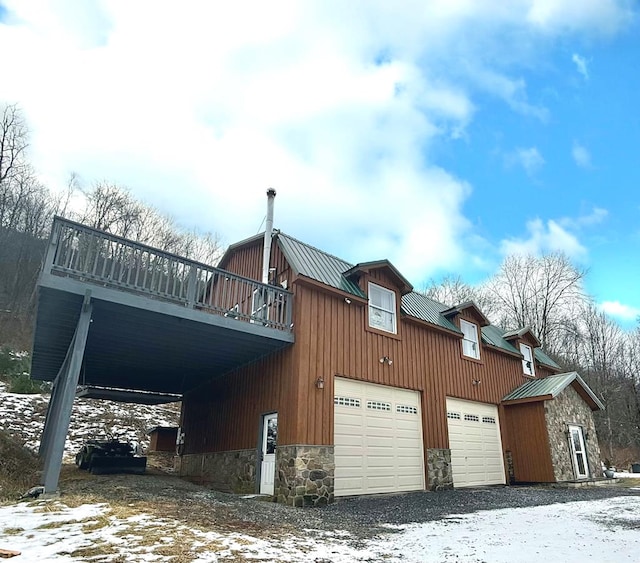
x=388 y=433
x=475 y=443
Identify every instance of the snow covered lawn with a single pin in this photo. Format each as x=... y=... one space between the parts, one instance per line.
x=607 y=530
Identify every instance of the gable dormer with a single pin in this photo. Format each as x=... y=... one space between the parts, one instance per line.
x=469 y=319
x=384 y=285
x=526 y=342
x=382 y=270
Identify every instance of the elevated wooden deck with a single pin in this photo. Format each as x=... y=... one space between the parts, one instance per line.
x=159 y=322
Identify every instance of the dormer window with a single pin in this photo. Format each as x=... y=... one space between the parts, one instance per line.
x=382 y=308
x=528 y=367
x=470 y=341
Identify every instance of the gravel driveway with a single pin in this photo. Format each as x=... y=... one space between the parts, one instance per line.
x=362 y=516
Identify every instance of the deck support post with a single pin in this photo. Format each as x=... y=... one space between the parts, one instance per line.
x=61 y=402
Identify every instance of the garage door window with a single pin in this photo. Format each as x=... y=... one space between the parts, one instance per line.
x=346 y=402
x=488 y=420
x=378 y=406
x=453 y=415
x=471 y=418
x=406 y=409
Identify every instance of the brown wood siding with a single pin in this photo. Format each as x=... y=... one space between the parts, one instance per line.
x=247 y=261
x=333 y=339
x=226 y=413
x=529 y=443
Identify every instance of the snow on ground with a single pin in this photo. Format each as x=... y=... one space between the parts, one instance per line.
x=607 y=530
x=23 y=416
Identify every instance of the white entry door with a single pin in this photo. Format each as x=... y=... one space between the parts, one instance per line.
x=579 y=452
x=269 y=442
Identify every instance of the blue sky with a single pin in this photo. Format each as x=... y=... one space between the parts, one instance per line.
x=442 y=135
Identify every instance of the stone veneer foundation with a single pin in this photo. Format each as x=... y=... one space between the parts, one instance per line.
x=439 y=474
x=304 y=475
x=569 y=408
x=232 y=472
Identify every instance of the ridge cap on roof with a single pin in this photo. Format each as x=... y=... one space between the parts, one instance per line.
x=285 y=235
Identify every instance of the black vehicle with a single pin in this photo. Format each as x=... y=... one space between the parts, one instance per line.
x=110 y=456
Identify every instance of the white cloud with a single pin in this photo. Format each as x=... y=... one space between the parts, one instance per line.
x=555 y=235
x=581 y=65
x=529 y=158
x=619 y=310
x=581 y=155
x=545 y=237
x=199 y=109
x=595 y=217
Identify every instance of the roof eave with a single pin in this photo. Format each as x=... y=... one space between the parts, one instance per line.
x=452 y=311
x=365 y=267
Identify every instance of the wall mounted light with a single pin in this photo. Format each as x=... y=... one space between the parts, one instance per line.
x=347 y=301
x=386 y=360
x=320 y=383
x=477 y=382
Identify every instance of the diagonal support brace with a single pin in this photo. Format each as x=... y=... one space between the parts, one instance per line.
x=61 y=402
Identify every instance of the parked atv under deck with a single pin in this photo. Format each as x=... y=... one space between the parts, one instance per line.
x=110 y=456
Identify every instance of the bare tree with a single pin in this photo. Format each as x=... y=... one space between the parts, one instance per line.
x=13 y=143
x=113 y=209
x=539 y=292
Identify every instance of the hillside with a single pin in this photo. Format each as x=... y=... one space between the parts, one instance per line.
x=22 y=417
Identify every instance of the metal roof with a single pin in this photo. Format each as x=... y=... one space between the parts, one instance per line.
x=313 y=263
x=423 y=308
x=550 y=386
x=543 y=358
x=493 y=336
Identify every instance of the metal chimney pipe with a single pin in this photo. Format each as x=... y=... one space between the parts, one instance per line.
x=268 y=231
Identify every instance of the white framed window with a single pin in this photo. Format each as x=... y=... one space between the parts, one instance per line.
x=470 y=342
x=528 y=367
x=382 y=308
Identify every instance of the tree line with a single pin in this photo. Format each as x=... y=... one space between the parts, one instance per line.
x=27 y=208
x=546 y=293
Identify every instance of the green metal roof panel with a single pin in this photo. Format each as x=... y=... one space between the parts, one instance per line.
x=492 y=335
x=426 y=309
x=313 y=263
x=544 y=359
x=551 y=385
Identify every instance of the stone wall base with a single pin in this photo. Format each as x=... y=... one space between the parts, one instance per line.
x=304 y=475
x=510 y=468
x=439 y=474
x=230 y=472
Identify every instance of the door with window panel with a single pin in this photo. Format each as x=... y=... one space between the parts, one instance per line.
x=578 y=452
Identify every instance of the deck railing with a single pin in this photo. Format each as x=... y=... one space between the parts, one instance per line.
x=93 y=256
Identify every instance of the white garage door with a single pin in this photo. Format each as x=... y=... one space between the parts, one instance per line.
x=476 y=447
x=378 y=439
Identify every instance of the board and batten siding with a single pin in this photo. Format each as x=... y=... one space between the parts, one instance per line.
x=529 y=443
x=332 y=338
x=226 y=413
